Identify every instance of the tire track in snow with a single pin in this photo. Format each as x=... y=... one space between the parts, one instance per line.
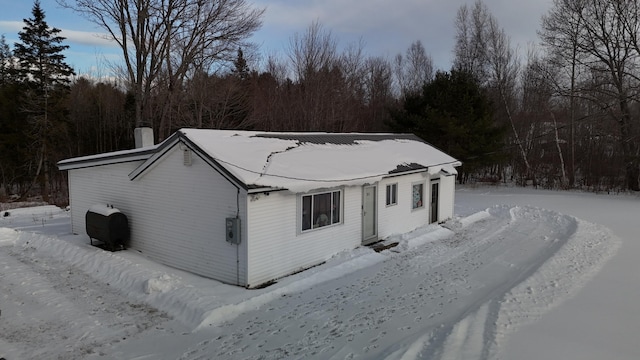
x=558 y=279
x=385 y=311
x=549 y=281
x=514 y=261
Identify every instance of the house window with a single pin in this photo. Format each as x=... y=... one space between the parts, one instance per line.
x=417 y=195
x=319 y=210
x=392 y=194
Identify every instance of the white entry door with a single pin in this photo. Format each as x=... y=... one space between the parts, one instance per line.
x=369 y=214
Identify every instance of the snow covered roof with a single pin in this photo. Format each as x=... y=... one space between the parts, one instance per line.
x=298 y=162
x=304 y=161
x=114 y=157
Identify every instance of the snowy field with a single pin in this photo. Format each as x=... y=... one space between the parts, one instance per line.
x=519 y=274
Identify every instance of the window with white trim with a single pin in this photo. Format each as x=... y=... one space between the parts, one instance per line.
x=392 y=194
x=417 y=195
x=322 y=209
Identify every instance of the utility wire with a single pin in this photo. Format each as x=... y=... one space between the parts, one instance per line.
x=316 y=180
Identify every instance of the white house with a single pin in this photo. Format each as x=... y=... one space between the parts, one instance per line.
x=247 y=207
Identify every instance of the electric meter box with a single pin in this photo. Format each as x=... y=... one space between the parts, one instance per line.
x=233 y=230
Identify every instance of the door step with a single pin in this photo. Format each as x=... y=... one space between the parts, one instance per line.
x=381 y=246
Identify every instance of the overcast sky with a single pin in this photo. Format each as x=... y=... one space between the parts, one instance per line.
x=386 y=27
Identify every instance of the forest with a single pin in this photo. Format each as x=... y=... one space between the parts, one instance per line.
x=564 y=115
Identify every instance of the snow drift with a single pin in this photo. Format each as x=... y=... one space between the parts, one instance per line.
x=445 y=292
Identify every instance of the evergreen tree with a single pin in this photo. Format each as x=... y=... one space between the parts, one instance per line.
x=45 y=76
x=12 y=125
x=42 y=64
x=241 y=69
x=6 y=62
x=453 y=114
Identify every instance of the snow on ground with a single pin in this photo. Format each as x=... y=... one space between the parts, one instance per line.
x=504 y=280
x=602 y=321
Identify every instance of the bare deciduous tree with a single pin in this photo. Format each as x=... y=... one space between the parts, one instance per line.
x=312 y=51
x=484 y=50
x=560 y=33
x=413 y=70
x=538 y=114
x=471 y=39
x=323 y=90
x=502 y=72
x=609 y=44
x=378 y=91
x=169 y=38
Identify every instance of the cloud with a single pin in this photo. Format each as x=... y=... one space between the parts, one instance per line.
x=11 y=26
x=86 y=38
x=358 y=16
x=389 y=27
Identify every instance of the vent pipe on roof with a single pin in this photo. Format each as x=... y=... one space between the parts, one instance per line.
x=143 y=136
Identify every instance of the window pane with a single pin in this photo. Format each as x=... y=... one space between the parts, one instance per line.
x=306 y=212
x=336 y=207
x=321 y=210
x=388 y=194
x=394 y=194
x=417 y=196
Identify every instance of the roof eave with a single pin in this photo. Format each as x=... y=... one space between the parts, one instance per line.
x=173 y=140
x=105 y=159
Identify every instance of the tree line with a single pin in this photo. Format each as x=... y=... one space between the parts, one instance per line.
x=564 y=115
x=569 y=107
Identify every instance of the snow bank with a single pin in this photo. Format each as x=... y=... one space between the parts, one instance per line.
x=160 y=284
x=473 y=218
x=559 y=279
x=7 y=236
x=585 y=249
x=414 y=350
x=194 y=307
x=420 y=236
x=576 y=251
x=47 y=210
x=229 y=312
x=134 y=281
x=467 y=339
x=436 y=234
x=451 y=292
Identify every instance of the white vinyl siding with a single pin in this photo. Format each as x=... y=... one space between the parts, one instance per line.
x=176 y=213
x=107 y=184
x=447 y=197
x=395 y=220
x=278 y=248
